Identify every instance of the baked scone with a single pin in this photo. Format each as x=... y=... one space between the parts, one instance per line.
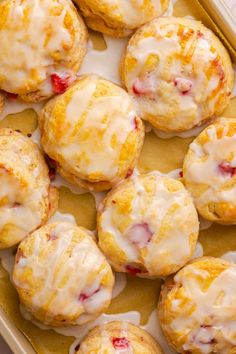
x=61 y=276
x=209 y=171
x=26 y=198
x=197 y=308
x=178 y=72
x=118 y=18
x=43 y=43
x=148 y=226
x=93 y=133
x=118 y=337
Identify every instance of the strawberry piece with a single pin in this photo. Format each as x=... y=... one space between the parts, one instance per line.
x=199 y=34
x=226 y=169
x=145 y=86
x=181 y=174
x=136 y=125
x=51 y=236
x=83 y=296
x=219 y=67
x=132 y=270
x=12 y=96
x=120 y=343
x=183 y=85
x=52 y=165
x=19 y=255
x=59 y=83
x=140 y=234
x=129 y=173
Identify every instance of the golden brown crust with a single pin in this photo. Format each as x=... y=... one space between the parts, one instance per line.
x=170 y=99
x=205 y=271
x=60 y=54
x=27 y=194
x=88 y=168
x=208 y=171
x=123 y=334
x=102 y=18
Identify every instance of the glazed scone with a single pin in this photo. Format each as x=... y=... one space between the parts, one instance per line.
x=26 y=198
x=61 y=276
x=142 y=222
x=43 y=43
x=178 y=72
x=93 y=133
x=118 y=18
x=209 y=171
x=118 y=337
x=197 y=308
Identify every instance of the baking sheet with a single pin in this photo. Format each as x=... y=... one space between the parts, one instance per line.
x=137 y=298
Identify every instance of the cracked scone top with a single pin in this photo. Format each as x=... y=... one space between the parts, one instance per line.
x=93 y=133
x=210 y=171
x=119 y=17
x=197 y=308
x=178 y=72
x=26 y=198
x=118 y=337
x=43 y=43
x=148 y=226
x=61 y=276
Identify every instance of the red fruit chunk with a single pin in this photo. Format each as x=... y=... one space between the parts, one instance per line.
x=181 y=174
x=129 y=173
x=83 y=296
x=183 y=85
x=52 y=165
x=19 y=255
x=226 y=169
x=12 y=96
x=136 y=126
x=140 y=234
x=199 y=34
x=59 y=83
x=16 y=205
x=51 y=236
x=132 y=270
x=144 y=86
x=120 y=343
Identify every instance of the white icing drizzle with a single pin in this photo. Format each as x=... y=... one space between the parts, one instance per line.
x=58 y=216
x=213 y=304
x=36 y=136
x=187 y=134
x=204 y=167
x=170 y=10
x=120 y=284
x=153 y=327
x=61 y=182
x=47 y=294
x=161 y=252
x=7 y=257
x=96 y=61
x=92 y=150
x=179 y=92
x=230 y=256
x=36 y=56
x=198 y=251
x=132 y=13
x=80 y=331
x=204 y=224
